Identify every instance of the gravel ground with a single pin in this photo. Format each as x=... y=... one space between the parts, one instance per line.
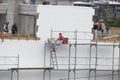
x=115 y=31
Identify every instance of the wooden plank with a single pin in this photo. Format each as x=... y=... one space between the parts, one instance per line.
x=115 y=39
x=1 y=33
x=1 y=36
x=19 y=37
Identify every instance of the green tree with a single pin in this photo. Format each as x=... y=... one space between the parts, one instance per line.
x=103 y=13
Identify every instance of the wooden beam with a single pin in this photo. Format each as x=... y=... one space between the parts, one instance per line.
x=18 y=37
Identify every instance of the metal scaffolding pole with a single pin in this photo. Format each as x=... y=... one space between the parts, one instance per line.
x=50 y=57
x=51 y=51
x=75 y=55
x=90 y=62
x=69 y=62
x=44 y=74
x=119 y=63
x=18 y=69
x=75 y=62
x=44 y=61
x=49 y=74
x=11 y=74
x=50 y=64
x=96 y=61
x=113 y=62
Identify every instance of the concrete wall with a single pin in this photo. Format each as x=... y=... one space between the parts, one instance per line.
x=3 y=11
x=26 y=14
x=61 y=2
x=4 y=1
x=3 y=8
x=12 y=13
x=27 y=9
x=26 y=24
x=2 y=19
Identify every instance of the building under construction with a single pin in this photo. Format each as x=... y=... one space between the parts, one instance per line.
x=29 y=55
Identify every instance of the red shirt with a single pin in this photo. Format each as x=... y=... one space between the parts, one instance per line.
x=61 y=37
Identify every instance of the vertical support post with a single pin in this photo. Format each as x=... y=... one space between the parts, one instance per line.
x=75 y=62
x=18 y=61
x=51 y=34
x=69 y=62
x=11 y=74
x=75 y=55
x=76 y=37
x=50 y=57
x=96 y=61
x=18 y=69
x=44 y=61
x=113 y=63
x=17 y=74
x=56 y=64
x=90 y=62
x=49 y=74
x=51 y=51
x=50 y=64
x=44 y=74
x=95 y=74
x=119 y=63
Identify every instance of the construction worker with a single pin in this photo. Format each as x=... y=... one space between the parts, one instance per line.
x=14 y=28
x=58 y=41
x=5 y=28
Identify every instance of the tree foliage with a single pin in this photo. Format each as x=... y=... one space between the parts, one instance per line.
x=114 y=22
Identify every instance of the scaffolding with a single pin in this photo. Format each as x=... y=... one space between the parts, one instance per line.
x=8 y=63
x=90 y=63
x=11 y=64
x=71 y=63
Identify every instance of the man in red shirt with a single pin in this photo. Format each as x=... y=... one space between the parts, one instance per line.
x=61 y=37
x=58 y=41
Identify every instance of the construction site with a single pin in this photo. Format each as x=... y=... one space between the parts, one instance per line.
x=32 y=53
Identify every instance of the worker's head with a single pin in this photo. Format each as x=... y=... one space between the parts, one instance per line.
x=14 y=24
x=60 y=33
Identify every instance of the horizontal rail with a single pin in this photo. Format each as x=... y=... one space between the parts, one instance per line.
x=9 y=61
